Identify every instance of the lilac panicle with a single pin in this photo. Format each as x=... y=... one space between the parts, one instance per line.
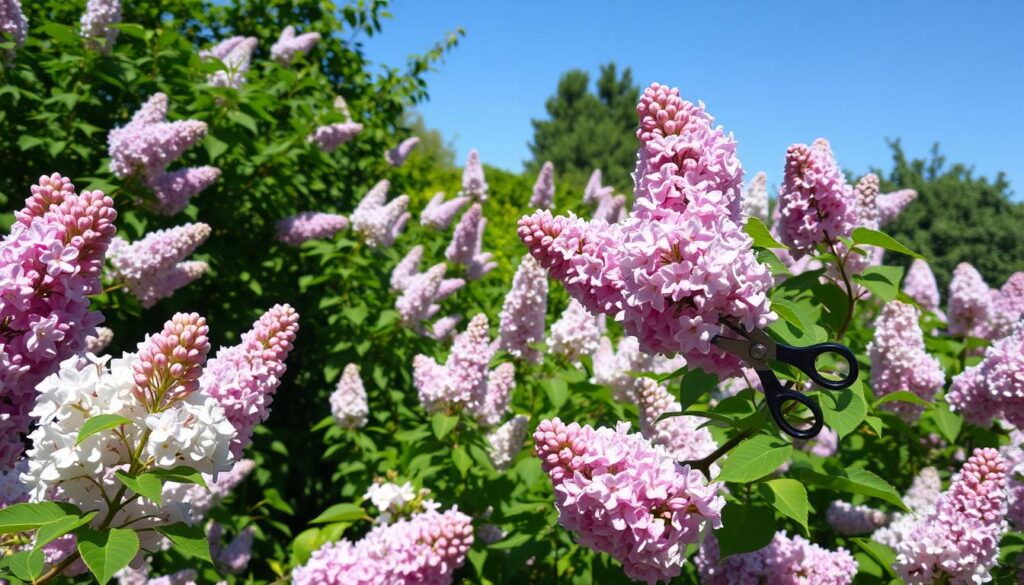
x=623 y=496
x=849 y=520
x=416 y=303
x=236 y=54
x=444 y=327
x=49 y=263
x=158 y=250
x=96 y=21
x=462 y=381
x=169 y=363
x=439 y=213
x=310 y=225
x=465 y=242
x=995 y=387
x=173 y=190
x=397 y=155
x=406 y=269
x=328 y=138
x=544 y=189
x=500 y=383
x=289 y=45
x=785 y=560
x=594 y=191
x=147 y=144
x=958 y=542
x=162 y=285
x=921 y=497
x=866 y=193
x=13 y=25
x=243 y=378
x=505 y=442
x=1007 y=307
x=920 y=285
x=899 y=360
x=348 y=401
x=474 y=185
x=524 y=310
x=575 y=334
x=815 y=202
x=969 y=302
x=378 y=222
x=755 y=199
x=613 y=368
x=892 y=204
x=610 y=209
x=233 y=558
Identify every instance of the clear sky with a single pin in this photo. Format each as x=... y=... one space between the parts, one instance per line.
x=855 y=72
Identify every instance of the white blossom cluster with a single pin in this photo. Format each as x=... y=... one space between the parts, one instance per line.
x=396 y=501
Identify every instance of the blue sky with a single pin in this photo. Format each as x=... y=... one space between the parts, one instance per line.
x=775 y=73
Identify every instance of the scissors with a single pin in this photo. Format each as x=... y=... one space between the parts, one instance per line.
x=756 y=348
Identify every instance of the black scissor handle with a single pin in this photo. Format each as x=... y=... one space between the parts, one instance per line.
x=777 y=398
x=805 y=359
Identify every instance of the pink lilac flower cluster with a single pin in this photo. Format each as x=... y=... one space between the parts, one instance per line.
x=680 y=263
x=13 y=26
x=96 y=24
x=995 y=387
x=816 y=205
x=611 y=209
x=465 y=381
x=523 y=312
x=595 y=192
x=49 y=263
x=421 y=293
x=147 y=144
x=920 y=285
x=683 y=437
x=505 y=442
x=168 y=364
x=328 y=138
x=439 y=213
x=474 y=185
x=958 y=542
x=1013 y=453
x=377 y=221
x=236 y=55
x=466 y=247
x=231 y=558
x=348 y=401
x=1007 y=308
x=899 y=360
x=139 y=575
x=755 y=198
x=289 y=45
x=892 y=204
x=613 y=367
x=575 y=334
x=397 y=155
x=310 y=225
x=785 y=561
x=544 y=189
x=848 y=519
x=623 y=496
x=921 y=497
x=970 y=302
x=149 y=267
x=444 y=327
x=426 y=549
x=243 y=378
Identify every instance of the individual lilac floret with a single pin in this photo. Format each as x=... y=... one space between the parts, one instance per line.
x=426 y=549
x=850 y=520
x=815 y=202
x=289 y=45
x=236 y=54
x=594 y=192
x=406 y=269
x=575 y=334
x=310 y=225
x=920 y=285
x=523 y=312
x=1007 y=307
x=173 y=190
x=13 y=26
x=505 y=442
x=96 y=343
x=397 y=155
x=755 y=199
x=154 y=267
x=892 y=204
x=995 y=387
x=924 y=492
x=378 y=222
x=96 y=21
x=243 y=378
x=969 y=302
x=148 y=143
x=899 y=360
x=439 y=213
x=544 y=189
x=785 y=561
x=348 y=401
x=623 y=496
x=474 y=185
x=231 y=558
x=958 y=542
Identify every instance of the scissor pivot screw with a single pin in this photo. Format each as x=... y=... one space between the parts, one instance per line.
x=758 y=351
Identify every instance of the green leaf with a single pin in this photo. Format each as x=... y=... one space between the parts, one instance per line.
x=903 y=396
x=882 y=554
x=61 y=33
x=26 y=142
x=190 y=540
x=789 y=497
x=745 y=528
x=763 y=238
x=844 y=410
x=107 y=552
x=22 y=517
x=27 y=565
x=793 y=313
x=273 y=499
x=882 y=281
x=557 y=391
x=854 y=481
x=340 y=513
x=131 y=29
x=511 y=541
x=949 y=422
x=100 y=423
x=47 y=533
x=695 y=383
x=443 y=424
x=755 y=458
x=179 y=474
x=870 y=237
x=461 y=459
x=214 y=146
x=146 y=485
